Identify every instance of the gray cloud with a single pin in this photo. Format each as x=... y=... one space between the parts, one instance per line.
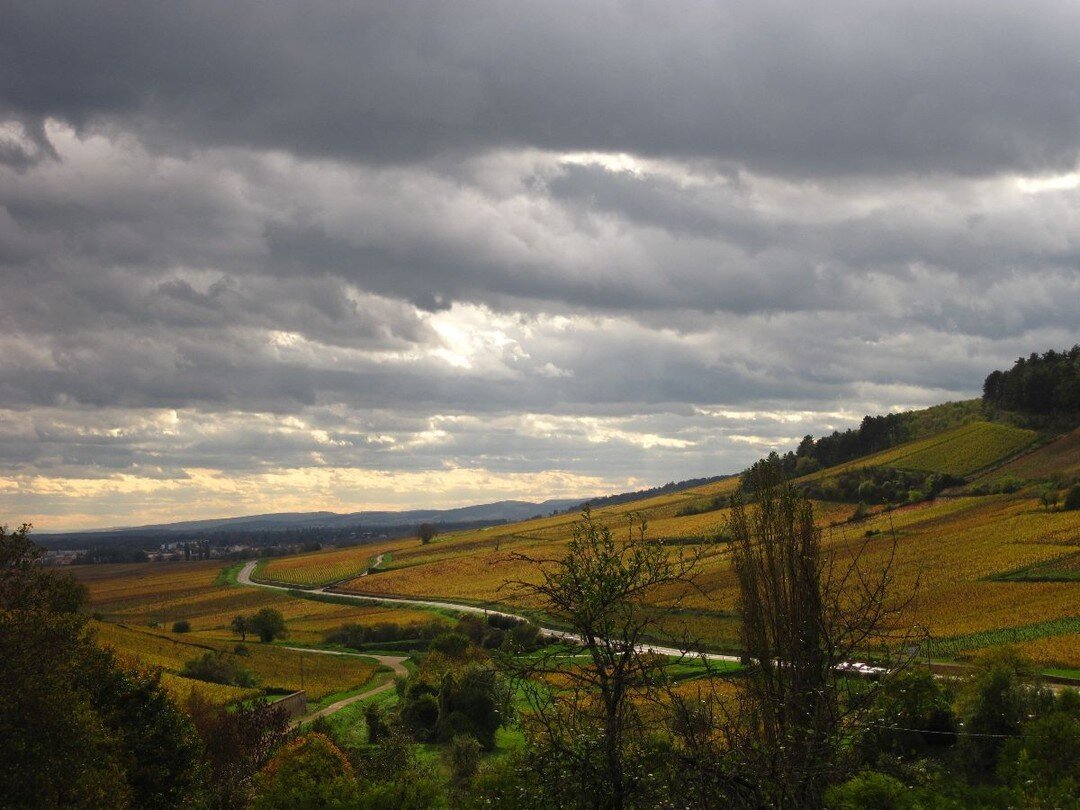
x=969 y=87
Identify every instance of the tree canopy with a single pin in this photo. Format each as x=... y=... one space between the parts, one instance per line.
x=1043 y=384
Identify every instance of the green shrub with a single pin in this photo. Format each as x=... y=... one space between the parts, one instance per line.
x=524 y=637
x=1072 y=497
x=378 y=727
x=463 y=755
x=420 y=712
x=216 y=667
x=870 y=789
x=182 y=626
x=308 y=772
x=1006 y=485
x=452 y=645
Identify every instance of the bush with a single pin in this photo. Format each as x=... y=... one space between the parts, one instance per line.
x=182 y=626
x=420 y=712
x=1045 y=760
x=870 y=789
x=463 y=755
x=912 y=700
x=216 y=667
x=308 y=772
x=998 y=701
x=357 y=636
x=525 y=637
x=238 y=741
x=378 y=728
x=462 y=700
x=1072 y=498
x=452 y=645
x=1006 y=485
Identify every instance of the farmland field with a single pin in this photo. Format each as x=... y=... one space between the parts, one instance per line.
x=141 y=593
x=137 y=604
x=1059 y=569
x=275 y=667
x=327 y=566
x=959 y=451
x=1060 y=457
x=956 y=547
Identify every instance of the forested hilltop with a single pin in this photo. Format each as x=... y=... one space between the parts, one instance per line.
x=1043 y=384
x=1039 y=393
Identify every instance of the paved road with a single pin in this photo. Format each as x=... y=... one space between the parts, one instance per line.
x=244 y=578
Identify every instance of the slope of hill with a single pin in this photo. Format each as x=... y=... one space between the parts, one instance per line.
x=1060 y=458
x=958 y=451
x=959 y=547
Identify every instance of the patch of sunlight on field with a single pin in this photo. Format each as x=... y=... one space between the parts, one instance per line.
x=323 y=567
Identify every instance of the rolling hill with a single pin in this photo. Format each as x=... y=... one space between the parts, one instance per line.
x=963 y=549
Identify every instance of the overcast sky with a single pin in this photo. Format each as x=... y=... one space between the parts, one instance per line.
x=294 y=256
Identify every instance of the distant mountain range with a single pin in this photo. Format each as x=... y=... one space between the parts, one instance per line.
x=498 y=512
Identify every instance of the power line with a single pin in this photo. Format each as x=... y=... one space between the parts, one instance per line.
x=948 y=733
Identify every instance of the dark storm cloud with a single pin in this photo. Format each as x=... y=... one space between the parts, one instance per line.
x=971 y=87
x=299 y=284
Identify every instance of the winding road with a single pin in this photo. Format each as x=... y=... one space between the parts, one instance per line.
x=244 y=578
x=395 y=662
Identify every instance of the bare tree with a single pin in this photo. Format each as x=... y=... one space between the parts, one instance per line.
x=805 y=617
x=586 y=696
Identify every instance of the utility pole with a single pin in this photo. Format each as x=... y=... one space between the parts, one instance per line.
x=302 y=688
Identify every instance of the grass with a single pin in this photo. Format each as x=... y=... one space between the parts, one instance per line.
x=1074 y=674
x=348 y=724
x=228 y=576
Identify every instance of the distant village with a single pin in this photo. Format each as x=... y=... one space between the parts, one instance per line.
x=241 y=545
